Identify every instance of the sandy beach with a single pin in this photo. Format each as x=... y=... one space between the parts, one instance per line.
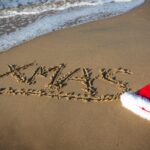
x=38 y=122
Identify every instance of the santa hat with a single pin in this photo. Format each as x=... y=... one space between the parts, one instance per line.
x=138 y=102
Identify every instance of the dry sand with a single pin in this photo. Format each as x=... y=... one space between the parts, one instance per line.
x=41 y=123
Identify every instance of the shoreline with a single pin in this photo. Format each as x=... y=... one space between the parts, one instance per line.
x=56 y=27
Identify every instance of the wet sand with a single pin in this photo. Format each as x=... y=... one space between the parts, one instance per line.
x=36 y=122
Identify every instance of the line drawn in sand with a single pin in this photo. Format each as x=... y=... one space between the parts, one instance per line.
x=58 y=80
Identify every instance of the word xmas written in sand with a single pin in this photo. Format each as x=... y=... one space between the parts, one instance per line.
x=57 y=82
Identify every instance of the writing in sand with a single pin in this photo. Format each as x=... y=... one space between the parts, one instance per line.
x=57 y=82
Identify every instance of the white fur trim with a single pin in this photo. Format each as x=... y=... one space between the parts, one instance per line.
x=133 y=102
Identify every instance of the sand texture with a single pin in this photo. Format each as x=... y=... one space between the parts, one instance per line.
x=62 y=91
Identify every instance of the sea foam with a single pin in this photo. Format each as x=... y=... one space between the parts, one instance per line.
x=67 y=13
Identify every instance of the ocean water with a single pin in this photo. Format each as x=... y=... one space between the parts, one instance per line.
x=23 y=20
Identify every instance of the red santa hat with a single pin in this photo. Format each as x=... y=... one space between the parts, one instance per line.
x=138 y=102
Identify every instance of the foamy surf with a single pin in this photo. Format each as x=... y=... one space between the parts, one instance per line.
x=36 y=8
x=60 y=14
